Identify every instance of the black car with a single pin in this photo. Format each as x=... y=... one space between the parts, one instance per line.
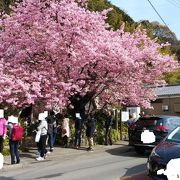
x=159 y=125
x=168 y=149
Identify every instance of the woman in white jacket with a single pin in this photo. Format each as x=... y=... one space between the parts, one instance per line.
x=65 y=130
x=43 y=126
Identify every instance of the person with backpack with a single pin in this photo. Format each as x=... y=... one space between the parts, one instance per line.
x=15 y=136
x=3 y=130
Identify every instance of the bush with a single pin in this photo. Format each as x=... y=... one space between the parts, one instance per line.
x=124 y=127
x=115 y=135
x=99 y=137
x=6 y=151
x=100 y=129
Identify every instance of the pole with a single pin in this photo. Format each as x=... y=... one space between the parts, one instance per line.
x=116 y=119
x=120 y=125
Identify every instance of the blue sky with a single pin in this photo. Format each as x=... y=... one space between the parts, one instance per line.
x=142 y=10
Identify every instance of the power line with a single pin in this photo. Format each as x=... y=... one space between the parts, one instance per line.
x=178 y=2
x=174 y=3
x=158 y=13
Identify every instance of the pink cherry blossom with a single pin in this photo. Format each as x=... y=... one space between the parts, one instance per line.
x=52 y=51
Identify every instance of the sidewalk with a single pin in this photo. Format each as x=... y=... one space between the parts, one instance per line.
x=28 y=158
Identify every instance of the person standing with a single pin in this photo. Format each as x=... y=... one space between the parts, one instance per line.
x=65 y=133
x=108 y=127
x=43 y=126
x=3 y=131
x=50 y=131
x=129 y=123
x=13 y=144
x=57 y=127
x=90 y=129
x=78 y=129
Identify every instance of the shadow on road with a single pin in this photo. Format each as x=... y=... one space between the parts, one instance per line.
x=28 y=155
x=50 y=176
x=6 y=178
x=126 y=151
x=80 y=148
x=133 y=170
x=131 y=173
x=141 y=176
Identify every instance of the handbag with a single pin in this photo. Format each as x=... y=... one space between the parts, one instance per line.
x=1 y=161
x=38 y=135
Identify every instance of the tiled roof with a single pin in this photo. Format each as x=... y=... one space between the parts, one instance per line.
x=168 y=90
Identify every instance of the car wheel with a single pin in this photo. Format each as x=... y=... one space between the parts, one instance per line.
x=149 y=173
x=139 y=150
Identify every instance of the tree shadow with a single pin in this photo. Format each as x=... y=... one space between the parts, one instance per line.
x=27 y=155
x=80 y=148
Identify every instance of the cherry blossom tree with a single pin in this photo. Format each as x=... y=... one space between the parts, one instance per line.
x=58 y=52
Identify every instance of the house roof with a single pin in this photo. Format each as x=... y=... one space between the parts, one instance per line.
x=168 y=90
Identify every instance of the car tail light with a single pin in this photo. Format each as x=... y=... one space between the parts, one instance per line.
x=162 y=128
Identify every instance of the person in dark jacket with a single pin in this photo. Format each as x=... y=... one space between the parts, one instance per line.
x=57 y=127
x=130 y=122
x=78 y=129
x=108 y=126
x=51 y=121
x=90 y=129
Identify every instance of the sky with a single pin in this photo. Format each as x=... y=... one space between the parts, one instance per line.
x=138 y=10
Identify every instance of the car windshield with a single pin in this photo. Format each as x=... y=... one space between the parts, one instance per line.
x=174 y=135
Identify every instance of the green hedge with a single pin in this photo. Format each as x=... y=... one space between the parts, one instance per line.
x=6 y=147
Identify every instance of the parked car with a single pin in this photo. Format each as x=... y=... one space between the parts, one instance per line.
x=159 y=125
x=168 y=149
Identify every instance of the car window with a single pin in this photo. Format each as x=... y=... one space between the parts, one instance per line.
x=149 y=122
x=172 y=122
x=146 y=122
x=174 y=135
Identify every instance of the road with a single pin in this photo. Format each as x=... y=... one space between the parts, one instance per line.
x=107 y=163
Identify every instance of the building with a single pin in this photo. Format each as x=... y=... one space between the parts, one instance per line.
x=167 y=102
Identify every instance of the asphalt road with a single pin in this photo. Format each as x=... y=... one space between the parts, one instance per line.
x=105 y=163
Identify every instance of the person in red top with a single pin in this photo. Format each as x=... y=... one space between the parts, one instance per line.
x=13 y=145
